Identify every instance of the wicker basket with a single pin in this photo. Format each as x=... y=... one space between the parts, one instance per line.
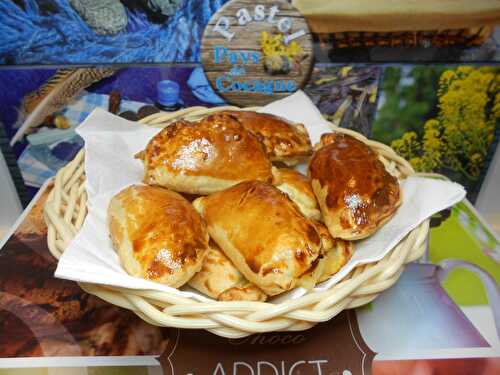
x=65 y=211
x=441 y=38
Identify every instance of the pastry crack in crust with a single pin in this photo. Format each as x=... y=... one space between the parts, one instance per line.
x=299 y=190
x=220 y=279
x=283 y=141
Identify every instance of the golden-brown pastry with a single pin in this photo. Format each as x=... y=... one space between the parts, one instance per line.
x=205 y=157
x=298 y=188
x=284 y=141
x=337 y=252
x=355 y=193
x=263 y=233
x=157 y=234
x=220 y=279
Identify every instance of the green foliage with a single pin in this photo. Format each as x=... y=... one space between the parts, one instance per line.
x=409 y=97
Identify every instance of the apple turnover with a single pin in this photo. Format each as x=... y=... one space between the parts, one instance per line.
x=355 y=192
x=337 y=252
x=221 y=280
x=157 y=234
x=264 y=234
x=204 y=157
x=298 y=188
x=284 y=141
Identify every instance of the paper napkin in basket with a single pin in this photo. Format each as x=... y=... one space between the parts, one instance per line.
x=110 y=145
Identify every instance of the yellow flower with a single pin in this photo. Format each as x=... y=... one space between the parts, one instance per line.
x=409 y=137
x=294 y=49
x=272 y=45
x=465 y=69
x=344 y=71
x=418 y=164
x=459 y=137
x=447 y=76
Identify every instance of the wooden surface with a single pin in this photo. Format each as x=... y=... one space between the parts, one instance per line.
x=247 y=38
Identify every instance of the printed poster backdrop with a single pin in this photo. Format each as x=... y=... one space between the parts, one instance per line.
x=47 y=105
x=48 y=32
x=346 y=95
x=442 y=118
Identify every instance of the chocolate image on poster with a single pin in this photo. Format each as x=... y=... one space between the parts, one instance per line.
x=333 y=347
x=44 y=316
x=254 y=54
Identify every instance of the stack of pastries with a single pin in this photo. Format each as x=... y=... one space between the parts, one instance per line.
x=222 y=211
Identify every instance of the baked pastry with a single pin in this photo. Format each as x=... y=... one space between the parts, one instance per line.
x=337 y=252
x=298 y=188
x=157 y=234
x=355 y=193
x=220 y=279
x=204 y=157
x=272 y=244
x=284 y=141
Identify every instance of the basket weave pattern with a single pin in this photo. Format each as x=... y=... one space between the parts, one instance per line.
x=65 y=212
x=441 y=38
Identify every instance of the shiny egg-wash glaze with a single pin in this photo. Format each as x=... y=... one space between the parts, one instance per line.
x=157 y=234
x=272 y=244
x=355 y=192
x=283 y=140
x=204 y=157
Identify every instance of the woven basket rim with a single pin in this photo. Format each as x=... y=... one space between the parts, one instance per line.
x=65 y=211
